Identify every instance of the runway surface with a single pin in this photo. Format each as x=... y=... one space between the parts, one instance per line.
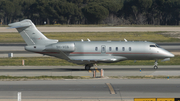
x=163 y=70
x=90 y=89
x=98 y=29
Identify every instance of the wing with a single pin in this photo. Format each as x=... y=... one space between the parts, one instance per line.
x=98 y=58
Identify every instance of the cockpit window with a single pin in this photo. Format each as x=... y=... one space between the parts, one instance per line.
x=155 y=46
x=158 y=46
x=152 y=46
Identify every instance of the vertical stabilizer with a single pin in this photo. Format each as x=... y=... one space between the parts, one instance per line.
x=30 y=34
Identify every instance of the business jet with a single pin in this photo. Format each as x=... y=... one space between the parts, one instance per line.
x=89 y=52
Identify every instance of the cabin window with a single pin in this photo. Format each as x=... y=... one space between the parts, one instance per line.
x=123 y=49
x=96 y=48
x=152 y=46
x=110 y=48
x=103 y=48
x=129 y=48
x=116 y=48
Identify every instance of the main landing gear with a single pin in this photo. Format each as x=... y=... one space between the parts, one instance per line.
x=88 y=66
x=155 y=64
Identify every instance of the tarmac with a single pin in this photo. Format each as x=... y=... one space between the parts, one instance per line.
x=89 y=89
x=111 y=70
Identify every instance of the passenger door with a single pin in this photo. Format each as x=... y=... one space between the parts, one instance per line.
x=103 y=49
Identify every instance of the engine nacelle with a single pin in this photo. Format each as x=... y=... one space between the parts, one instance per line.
x=35 y=48
x=61 y=46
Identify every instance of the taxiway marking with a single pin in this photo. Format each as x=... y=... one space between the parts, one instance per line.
x=111 y=89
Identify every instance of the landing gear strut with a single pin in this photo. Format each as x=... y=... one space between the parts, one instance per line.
x=88 y=66
x=155 y=64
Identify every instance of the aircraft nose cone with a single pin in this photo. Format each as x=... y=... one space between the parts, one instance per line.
x=171 y=55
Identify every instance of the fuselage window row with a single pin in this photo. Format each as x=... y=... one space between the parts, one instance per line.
x=110 y=49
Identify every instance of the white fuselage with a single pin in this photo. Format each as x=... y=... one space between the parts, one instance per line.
x=87 y=52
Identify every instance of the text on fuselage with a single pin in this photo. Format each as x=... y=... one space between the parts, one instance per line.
x=62 y=47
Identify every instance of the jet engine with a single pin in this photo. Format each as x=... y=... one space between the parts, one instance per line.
x=35 y=48
x=61 y=46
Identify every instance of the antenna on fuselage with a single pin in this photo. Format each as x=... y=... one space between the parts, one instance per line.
x=89 y=40
x=125 y=40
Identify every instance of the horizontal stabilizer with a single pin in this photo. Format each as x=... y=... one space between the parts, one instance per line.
x=20 y=24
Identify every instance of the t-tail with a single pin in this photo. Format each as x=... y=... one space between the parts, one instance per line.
x=30 y=34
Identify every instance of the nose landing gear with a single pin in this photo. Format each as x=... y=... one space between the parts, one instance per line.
x=155 y=64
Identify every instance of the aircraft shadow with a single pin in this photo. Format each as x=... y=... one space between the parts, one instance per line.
x=38 y=70
x=70 y=69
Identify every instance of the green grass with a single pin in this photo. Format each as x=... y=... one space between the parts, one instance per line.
x=145 y=77
x=51 y=61
x=94 y=36
x=34 y=61
x=24 y=78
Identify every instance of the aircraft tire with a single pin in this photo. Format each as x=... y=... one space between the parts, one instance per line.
x=87 y=67
x=155 y=67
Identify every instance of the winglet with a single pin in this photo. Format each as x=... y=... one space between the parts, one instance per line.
x=125 y=40
x=89 y=40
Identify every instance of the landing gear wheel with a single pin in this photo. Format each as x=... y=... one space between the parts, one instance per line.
x=155 y=67
x=87 y=67
x=155 y=64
